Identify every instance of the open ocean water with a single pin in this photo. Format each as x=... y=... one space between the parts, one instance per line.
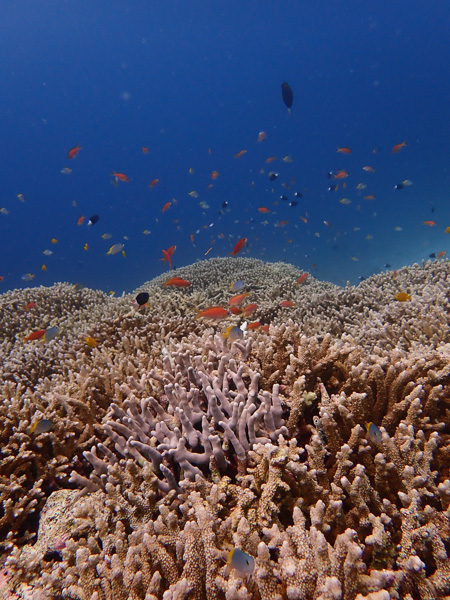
x=169 y=93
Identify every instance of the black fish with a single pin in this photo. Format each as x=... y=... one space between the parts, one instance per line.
x=142 y=298
x=283 y=197
x=224 y=204
x=330 y=174
x=293 y=203
x=432 y=255
x=273 y=176
x=298 y=194
x=287 y=94
x=399 y=186
x=332 y=188
x=387 y=265
x=93 y=220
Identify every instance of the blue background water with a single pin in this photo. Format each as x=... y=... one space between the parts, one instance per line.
x=184 y=77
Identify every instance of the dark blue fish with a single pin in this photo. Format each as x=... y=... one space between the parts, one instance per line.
x=283 y=197
x=287 y=95
x=432 y=255
x=399 y=186
x=293 y=203
x=332 y=188
x=273 y=176
x=387 y=265
x=298 y=194
x=330 y=174
x=93 y=220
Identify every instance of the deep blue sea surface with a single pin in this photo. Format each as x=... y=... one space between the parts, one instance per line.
x=195 y=83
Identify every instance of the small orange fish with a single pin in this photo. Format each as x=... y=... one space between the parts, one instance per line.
x=368 y=169
x=283 y=223
x=213 y=312
x=238 y=299
x=214 y=174
x=263 y=210
x=441 y=254
x=249 y=309
x=265 y=328
x=30 y=305
x=398 y=147
x=144 y=150
x=253 y=325
x=271 y=159
x=430 y=223
x=73 y=151
x=120 y=176
x=153 y=183
x=192 y=237
x=166 y=206
x=80 y=220
x=369 y=197
x=239 y=245
x=177 y=282
x=304 y=219
x=403 y=297
x=287 y=304
x=235 y=310
x=302 y=278
x=36 y=335
x=167 y=257
x=344 y=150
x=341 y=174
x=239 y=154
x=261 y=136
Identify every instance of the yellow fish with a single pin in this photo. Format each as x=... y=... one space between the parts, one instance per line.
x=91 y=342
x=403 y=297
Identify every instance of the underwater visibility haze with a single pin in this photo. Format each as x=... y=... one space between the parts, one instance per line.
x=183 y=133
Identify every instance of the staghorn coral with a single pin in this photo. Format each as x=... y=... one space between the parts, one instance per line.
x=325 y=511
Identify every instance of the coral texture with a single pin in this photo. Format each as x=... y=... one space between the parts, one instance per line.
x=171 y=446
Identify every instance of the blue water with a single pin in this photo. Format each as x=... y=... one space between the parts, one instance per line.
x=195 y=82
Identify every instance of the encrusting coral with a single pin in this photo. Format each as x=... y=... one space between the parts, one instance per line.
x=171 y=446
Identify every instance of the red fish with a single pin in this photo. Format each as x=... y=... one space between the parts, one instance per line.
x=264 y=210
x=265 y=328
x=344 y=150
x=177 y=282
x=239 y=245
x=153 y=183
x=287 y=304
x=249 y=309
x=302 y=278
x=167 y=257
x=30 y=305
x=80 y=220
x=261 y=136
x=430 y=223
x=166 y=206
x=239 y=154
x=341 y=174
x=253 y=325
x=36 y=335
x=144 y=150
x=441 y=254
x=73 y=151
x=271 y=159
x=120 y=176
x=235 y=310
x=214 y=174
x=235 y=300
x=213 y=312
x=398 y=147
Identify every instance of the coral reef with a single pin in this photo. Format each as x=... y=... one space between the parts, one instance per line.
x=171 y=446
